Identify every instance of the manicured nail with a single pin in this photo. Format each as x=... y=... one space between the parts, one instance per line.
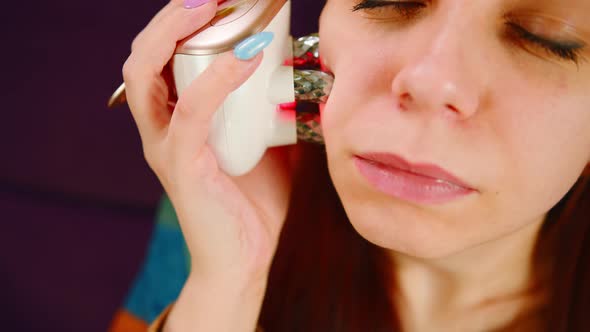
x=188 y=4
x=249 y=47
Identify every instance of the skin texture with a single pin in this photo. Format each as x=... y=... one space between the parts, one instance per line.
x=447 y=85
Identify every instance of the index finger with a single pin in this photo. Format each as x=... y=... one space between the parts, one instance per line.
x=145 y=86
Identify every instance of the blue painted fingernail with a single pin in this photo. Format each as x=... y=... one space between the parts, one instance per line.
x=188 y=4
x=249 y=47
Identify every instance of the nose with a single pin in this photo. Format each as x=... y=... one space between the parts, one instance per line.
x=442 y=79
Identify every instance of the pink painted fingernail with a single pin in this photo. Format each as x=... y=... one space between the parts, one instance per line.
x=188 y=4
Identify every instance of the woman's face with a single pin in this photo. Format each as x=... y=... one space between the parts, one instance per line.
x=495 y=92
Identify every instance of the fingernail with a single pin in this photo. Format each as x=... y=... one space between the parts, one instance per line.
x=249 y=47
x=188 y=4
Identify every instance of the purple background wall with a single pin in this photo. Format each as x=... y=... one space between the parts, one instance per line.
x=76 y=198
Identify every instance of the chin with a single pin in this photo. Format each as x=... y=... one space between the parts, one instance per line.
x=401 y=229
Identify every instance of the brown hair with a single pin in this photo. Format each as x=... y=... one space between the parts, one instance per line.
x=333 y=280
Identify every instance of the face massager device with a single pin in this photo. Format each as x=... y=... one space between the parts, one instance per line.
x=254 y=117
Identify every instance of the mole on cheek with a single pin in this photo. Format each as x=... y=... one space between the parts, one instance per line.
x=563 y=83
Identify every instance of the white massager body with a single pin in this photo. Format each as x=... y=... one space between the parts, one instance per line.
x=248 y=122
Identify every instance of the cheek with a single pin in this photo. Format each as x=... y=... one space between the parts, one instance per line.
x=546 y=133
x=358 y=59
x=332 y=120
x=360 y=99
x=340 y=124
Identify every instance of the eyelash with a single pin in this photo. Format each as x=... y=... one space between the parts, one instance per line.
x=567 y=52
x=409 y=9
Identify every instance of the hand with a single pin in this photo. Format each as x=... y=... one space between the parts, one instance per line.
x=231 y=225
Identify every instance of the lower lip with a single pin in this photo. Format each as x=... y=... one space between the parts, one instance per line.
x=409 y=186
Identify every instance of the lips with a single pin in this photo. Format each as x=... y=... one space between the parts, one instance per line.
x=426 y=170
x=416 y=183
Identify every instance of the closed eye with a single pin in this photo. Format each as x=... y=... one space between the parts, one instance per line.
x=565 y=50
x=406 y=9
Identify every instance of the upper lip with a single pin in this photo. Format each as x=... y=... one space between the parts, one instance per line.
x=424 y=169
